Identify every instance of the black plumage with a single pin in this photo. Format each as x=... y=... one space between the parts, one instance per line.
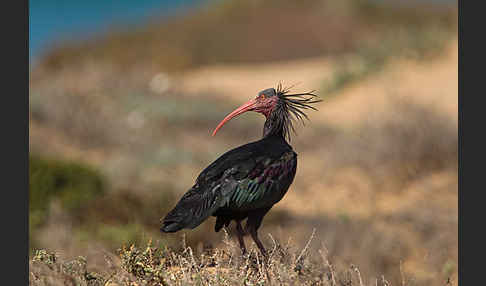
x=245 y=182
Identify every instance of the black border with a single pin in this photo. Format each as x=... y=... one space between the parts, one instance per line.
x=23 y=130
x=14 y=121
x=471 y=184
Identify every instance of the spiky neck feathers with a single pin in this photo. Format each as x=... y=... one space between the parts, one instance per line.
x=288 y=108
x=277 y=123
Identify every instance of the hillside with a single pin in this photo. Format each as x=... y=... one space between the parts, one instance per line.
x=377 y=176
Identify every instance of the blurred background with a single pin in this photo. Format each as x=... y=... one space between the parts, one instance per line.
x=124 y=94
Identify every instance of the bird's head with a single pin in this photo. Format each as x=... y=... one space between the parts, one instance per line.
x=269 y=100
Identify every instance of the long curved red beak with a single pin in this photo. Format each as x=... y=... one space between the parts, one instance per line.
x=250 y=105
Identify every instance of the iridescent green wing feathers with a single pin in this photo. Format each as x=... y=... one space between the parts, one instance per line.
x=265 y=185
x=252 y=176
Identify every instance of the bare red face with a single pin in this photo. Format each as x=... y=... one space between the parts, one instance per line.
x=264 y=103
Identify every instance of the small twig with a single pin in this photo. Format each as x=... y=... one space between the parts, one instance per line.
x=229 y=245
x=384 y=281
x=401 y=274
x=192 y=258
x=184 y=240
x=272 y=254
x=274 y=242
x=306 y=246
x=258 y=263
x=181 y=265
x=355 y=269
x=326 y=261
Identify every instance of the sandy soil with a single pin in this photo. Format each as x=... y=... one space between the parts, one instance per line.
x=434 y=82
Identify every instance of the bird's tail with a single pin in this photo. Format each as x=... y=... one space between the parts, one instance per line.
x=171 y=225
x=193 y=208
x=177 y=219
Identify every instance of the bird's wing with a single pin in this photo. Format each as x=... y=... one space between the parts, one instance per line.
x=212 y=188
x=244 y=178
x=195 y=206
x=236 y=162
x=264 y=185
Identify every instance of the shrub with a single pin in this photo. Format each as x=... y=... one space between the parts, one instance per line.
x=73 y=184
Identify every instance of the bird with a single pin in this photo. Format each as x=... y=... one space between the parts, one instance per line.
x=245 y=182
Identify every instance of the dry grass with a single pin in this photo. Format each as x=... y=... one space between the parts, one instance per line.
x=150 y=265
x=408 y=142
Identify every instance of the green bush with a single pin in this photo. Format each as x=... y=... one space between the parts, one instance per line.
x=73 y=184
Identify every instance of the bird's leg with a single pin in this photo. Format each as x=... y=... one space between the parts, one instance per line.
x=254 y=234
x=240 y=232
x=252 y=225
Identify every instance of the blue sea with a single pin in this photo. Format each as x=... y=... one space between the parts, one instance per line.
x=53 y=21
